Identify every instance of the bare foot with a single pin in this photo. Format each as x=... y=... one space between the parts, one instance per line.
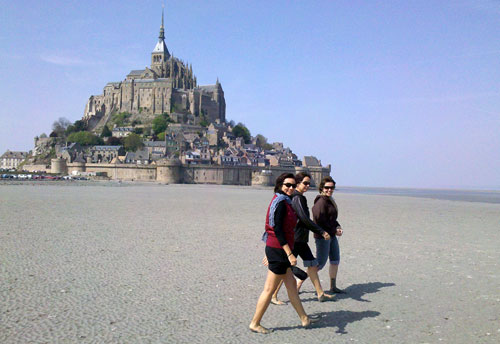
x=277 y=302
x=325 y=297
x=307 y=321
x=259 y=329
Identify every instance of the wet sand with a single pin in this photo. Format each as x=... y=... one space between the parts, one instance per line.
x=123 y=263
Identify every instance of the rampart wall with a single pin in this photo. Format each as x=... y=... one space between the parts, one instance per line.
x=175 y=173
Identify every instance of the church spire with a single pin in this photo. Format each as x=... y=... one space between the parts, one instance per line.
x=162 y=28
x=160 y=53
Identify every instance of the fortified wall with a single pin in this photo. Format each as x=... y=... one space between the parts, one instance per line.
x=173 y=172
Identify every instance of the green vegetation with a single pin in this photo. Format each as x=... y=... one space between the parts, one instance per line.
x=114 y=141
x=59 y=127
x=79 y=125
x=240 y=130
x=160 y=123
x=203 y=119
x=261 y=141
x=106 y=132
x=85 y=138
x=161 y=136
x=121 y=119
x=132 y=142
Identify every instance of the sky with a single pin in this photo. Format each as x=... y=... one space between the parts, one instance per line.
x=390 y=93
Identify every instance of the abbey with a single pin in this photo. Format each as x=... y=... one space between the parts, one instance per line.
x=168 y=86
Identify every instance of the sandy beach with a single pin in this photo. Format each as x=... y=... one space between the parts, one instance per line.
x=123 y=263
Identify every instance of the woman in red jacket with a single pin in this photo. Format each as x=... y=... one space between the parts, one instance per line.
x=280 y=222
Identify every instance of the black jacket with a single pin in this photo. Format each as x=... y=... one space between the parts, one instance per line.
x=299 y=204
x=325 y=214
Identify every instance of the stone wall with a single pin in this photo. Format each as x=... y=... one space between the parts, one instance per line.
x=175 y=173
x=38 y=168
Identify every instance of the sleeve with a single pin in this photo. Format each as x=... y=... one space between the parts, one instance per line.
x=279 y=218
x=299 y=204
x=319 y=213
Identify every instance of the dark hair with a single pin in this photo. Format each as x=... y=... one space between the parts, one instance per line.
x=299 y=177
x=325 y=180
x=279 y=181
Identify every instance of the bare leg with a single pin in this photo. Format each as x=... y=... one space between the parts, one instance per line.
x=333 y=270
x=274 y=299
x=299 y=284
x=272 y=282
x=333 y=279
x=291 y=288
x=312 y=271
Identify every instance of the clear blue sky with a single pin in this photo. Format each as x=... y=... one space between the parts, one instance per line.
x=390 y=93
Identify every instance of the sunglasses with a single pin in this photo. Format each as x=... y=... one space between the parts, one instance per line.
x=329 y=187
x=306 y=183
x=290 y=185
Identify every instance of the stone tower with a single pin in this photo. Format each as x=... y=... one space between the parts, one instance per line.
x=160 y=53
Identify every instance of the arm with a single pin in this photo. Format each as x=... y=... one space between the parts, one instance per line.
x=279 y=217
x=319 y=213
x=300 y=206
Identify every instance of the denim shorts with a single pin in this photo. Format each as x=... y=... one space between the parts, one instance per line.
x=327 y=249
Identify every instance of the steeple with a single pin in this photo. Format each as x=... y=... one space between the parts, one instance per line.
x=160 y=53
x=162 y=28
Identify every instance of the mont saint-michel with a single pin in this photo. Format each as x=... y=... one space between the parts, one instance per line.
x=158 y=124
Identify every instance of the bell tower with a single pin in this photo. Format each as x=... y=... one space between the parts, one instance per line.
x=160 y=54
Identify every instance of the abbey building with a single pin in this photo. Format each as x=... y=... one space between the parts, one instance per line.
x=167 y=86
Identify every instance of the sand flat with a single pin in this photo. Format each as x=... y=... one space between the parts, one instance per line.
x=112 y=263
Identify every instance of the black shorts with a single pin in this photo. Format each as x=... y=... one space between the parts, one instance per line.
x=302 y=250
x=277 y=259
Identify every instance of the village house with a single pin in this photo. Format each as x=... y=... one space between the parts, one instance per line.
x=122 y=131
x=139 y=157
x=105 y=154
x=11 y=160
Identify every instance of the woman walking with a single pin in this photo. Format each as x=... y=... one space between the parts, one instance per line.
x=280 y=222
x=301 y=246
x=325 y=214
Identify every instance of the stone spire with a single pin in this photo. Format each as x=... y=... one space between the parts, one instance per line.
x=161 y=47
x=162 y=28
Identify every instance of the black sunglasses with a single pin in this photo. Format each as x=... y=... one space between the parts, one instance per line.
x=306 y=183
x=329 y=187
x=290 y=185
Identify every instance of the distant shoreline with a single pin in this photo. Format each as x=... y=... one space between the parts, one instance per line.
x=483 y=196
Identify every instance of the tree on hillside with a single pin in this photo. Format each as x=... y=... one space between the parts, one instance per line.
x=59 y=127
x=132 y=142
x=79 y=125
x=261 y=141
x=159 y=125
x=240 y=130
x=106 y=132
x=114 y=141
x=85 y=138
x=121 y=119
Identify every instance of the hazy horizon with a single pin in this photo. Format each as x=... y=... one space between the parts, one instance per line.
x=391 y=94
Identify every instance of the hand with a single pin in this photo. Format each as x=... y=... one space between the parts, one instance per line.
x=292 y=260
x=264 y=261
x=339 y=232
x=326 y=236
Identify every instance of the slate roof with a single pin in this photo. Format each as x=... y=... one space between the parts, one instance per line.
x=311 y=161
x=14 y=155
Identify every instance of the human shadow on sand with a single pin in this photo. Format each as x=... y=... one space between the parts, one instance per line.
x=339 y=319
x=357 y=291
